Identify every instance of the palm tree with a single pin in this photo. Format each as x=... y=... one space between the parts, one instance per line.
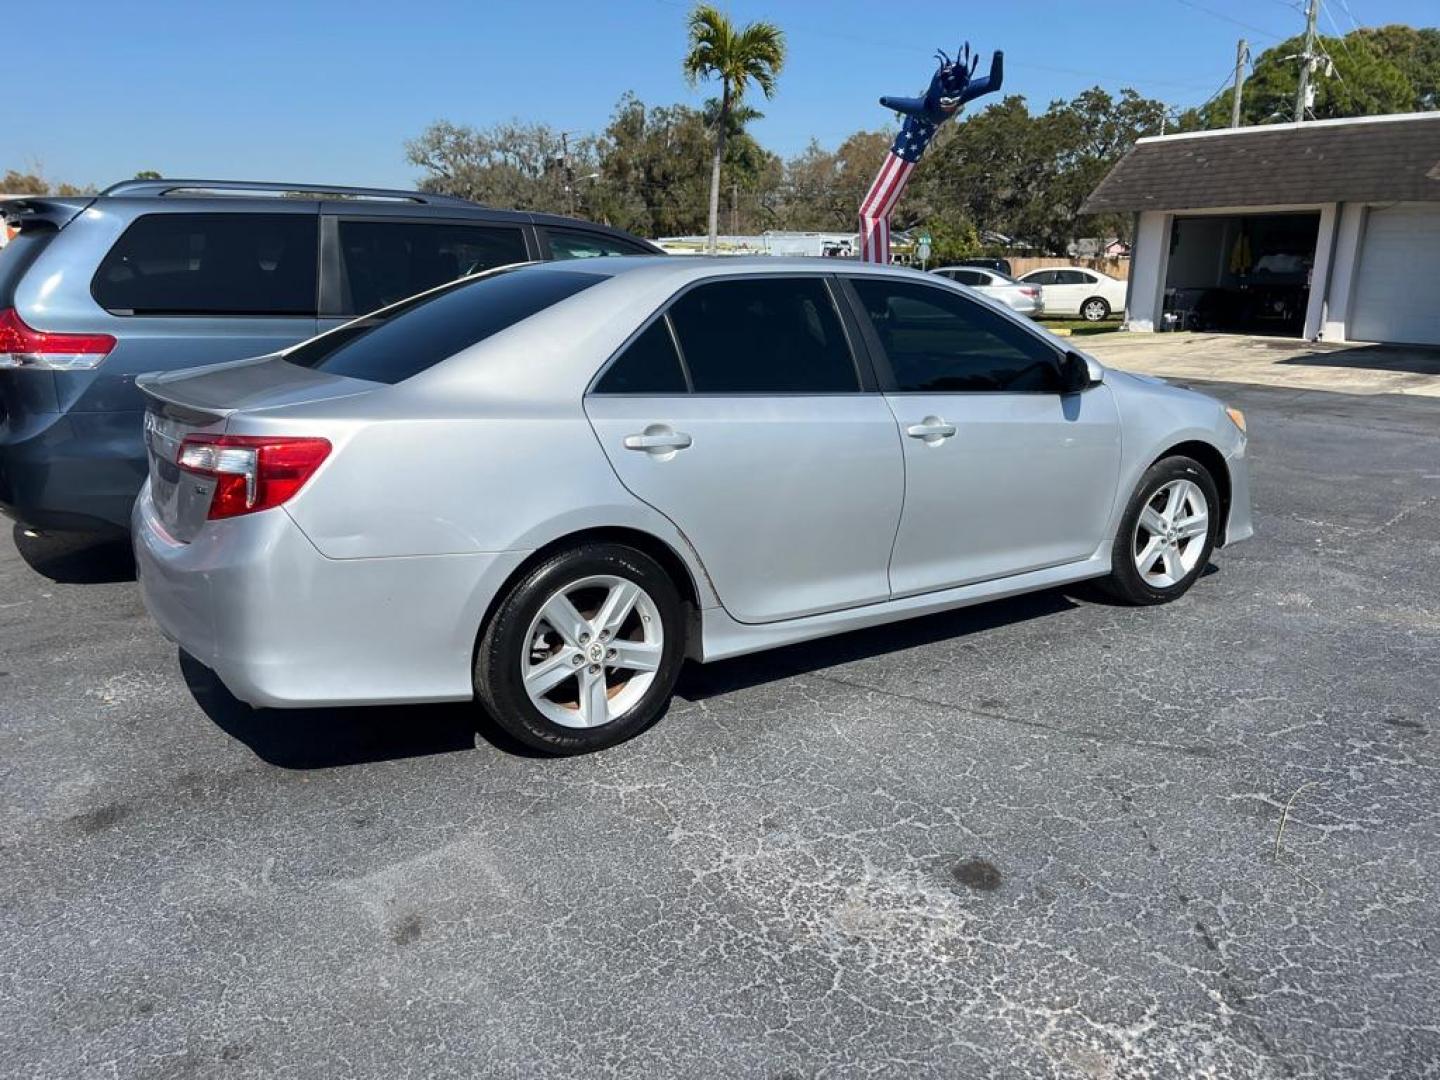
x=738 y=58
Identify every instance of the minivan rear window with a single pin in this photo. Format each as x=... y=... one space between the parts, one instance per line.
x=397 y=342
x=211 y=264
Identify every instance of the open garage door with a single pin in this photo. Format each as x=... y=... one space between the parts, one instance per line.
x=1395 y=287
x=1240 y=273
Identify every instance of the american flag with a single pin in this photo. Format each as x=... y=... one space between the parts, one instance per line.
x=915 y=135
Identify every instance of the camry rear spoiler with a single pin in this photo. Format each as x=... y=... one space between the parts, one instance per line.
x=43 y=211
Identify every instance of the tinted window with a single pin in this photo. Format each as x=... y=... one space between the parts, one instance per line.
x=649 y=365
x=938 y=341
x=386 y=261
x=404 y=340
x=1040 y=277
x=766 y=335
x=211 y=264
x=565 y=244
x=1071 y=277
x=967 y=277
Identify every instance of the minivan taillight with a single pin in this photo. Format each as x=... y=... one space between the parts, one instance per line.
x=23 y=347
x=251 y=472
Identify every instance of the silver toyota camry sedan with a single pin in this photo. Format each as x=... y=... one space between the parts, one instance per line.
x=546 y=486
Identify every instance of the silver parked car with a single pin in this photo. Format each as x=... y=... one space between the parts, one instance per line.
x=1016 y=295
x=548 y=485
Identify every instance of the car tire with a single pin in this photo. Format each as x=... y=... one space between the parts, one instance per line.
x=1096 y=309
x=551 y=664
x=1162 y=546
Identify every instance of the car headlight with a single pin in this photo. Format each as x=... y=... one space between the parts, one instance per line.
x=1236 y=417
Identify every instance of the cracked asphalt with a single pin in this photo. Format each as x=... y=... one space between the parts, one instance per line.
x=1036 y=838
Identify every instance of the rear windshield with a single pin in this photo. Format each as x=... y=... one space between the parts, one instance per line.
x=403 y=340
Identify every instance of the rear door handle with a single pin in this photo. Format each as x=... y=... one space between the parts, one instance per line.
x=932 y=429
x=658 y=441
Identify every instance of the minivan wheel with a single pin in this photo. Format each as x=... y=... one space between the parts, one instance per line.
x=584 y=650
x=1166 y=536
x=1095 y=310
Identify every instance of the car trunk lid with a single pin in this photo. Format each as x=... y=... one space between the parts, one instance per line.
x=201 y=402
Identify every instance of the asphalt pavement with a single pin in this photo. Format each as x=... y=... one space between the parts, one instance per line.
x=1041 y=837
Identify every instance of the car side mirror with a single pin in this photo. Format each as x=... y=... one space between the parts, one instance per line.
x=1075 y=374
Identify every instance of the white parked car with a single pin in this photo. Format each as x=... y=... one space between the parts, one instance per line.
x=1075 y=290
x=1020 y=297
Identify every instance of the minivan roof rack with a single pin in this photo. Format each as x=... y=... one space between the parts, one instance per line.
x=164 y=187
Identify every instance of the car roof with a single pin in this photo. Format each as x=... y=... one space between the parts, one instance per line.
x=245 y=196
x=970 y=269
x=681 y=269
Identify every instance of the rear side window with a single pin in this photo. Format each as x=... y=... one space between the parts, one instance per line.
x=211 y=264
x=649 y=365
x=766 y=335
x=391 y=345
x=568 y=244
x=386 y=261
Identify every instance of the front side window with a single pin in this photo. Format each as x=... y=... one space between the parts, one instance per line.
x=391 y=345
x=967 y=277
x=211 y=264
x=764 y=335
x=1040 y=277
x=568 y=244
x=938 y=341
x=383 y=262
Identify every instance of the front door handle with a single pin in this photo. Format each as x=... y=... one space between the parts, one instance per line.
x=658 y=439
x=932 y=429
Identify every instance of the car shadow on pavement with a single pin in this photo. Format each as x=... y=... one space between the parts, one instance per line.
x=329 y=738
x=333 y=737
x=1415 y=359
x=77 y=558
x=701 y=681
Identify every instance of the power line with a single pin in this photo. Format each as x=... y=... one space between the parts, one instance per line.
x=1227 y=18
x=908 y=49
x=1345 y=7
x=1339 y=34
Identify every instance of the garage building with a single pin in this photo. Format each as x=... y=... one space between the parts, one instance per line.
x=1323 y=230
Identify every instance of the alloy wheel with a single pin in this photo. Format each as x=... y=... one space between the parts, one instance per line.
x=592 y=651
x=1170 y=533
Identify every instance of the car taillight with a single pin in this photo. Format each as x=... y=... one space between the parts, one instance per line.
x=1029 y=291
x=23 y=347
x=251 y=472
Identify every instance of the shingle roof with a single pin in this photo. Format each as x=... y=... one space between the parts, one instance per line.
x=1386 y=158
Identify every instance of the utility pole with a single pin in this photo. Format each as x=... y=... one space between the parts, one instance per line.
x=1242 y=55
x=1303 y=94
x=569 y=173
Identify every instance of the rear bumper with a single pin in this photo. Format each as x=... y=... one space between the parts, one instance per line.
x=283 y=626
x=72 y=471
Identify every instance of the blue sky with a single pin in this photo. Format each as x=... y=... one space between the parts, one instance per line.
x=328 y=91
